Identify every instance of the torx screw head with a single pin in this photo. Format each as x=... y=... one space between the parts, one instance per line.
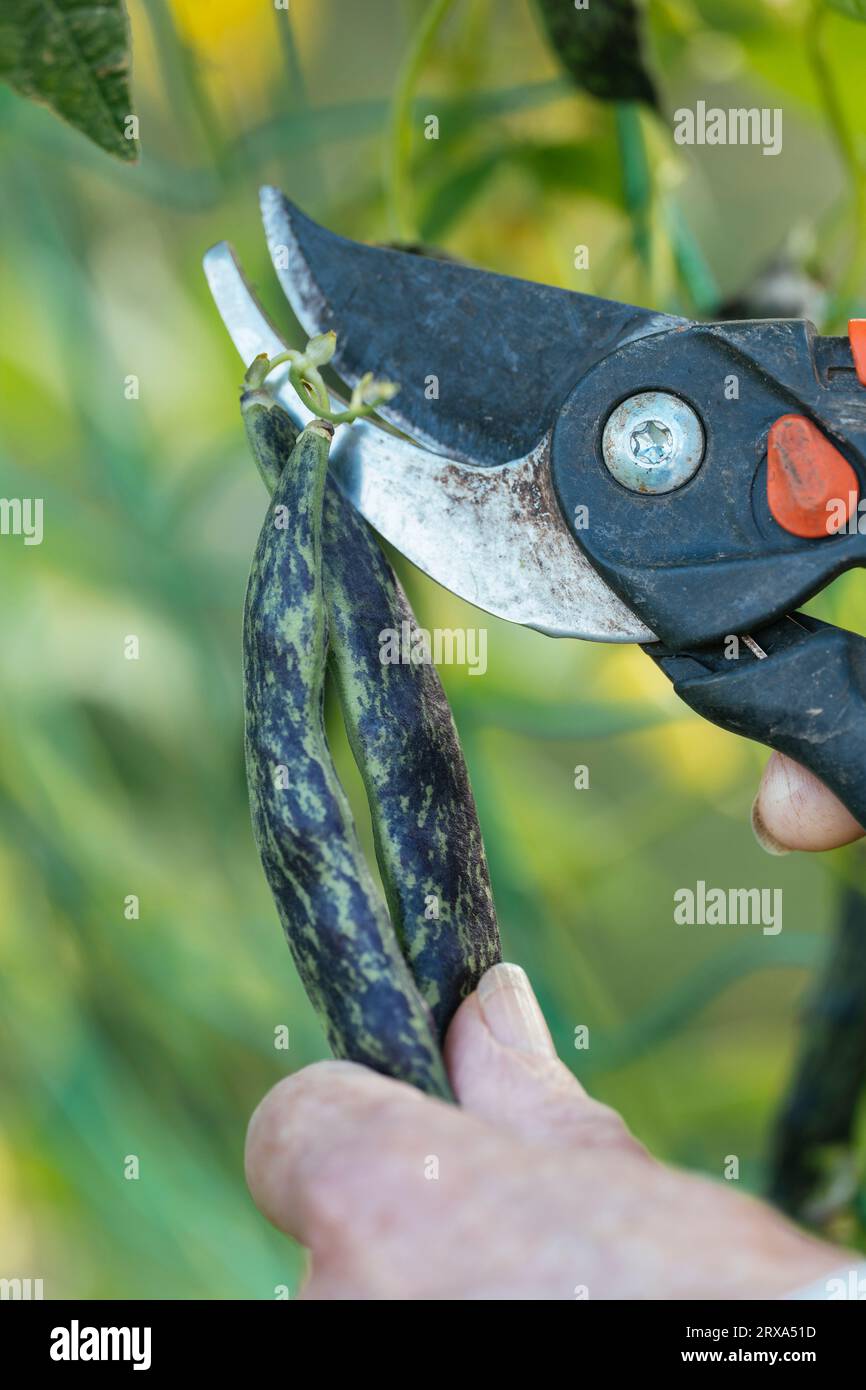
x=653 y=442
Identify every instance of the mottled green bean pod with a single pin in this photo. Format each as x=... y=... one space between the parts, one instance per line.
x=341 y=937
x=428 y=840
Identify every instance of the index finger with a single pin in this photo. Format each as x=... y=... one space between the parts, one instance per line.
x=793 y=810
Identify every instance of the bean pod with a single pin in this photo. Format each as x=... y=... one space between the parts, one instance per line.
x=428 y=840
x=386 y=988
x=338 y=928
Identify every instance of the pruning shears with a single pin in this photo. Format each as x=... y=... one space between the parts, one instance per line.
x=596 y=470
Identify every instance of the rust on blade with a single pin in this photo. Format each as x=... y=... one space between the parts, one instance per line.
x=494 y=536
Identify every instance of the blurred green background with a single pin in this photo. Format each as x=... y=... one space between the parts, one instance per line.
x=154 y=1036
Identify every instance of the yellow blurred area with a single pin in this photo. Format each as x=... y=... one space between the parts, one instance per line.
x=239 y=35
x=235 y=45
x=688 y=750
x=701 y=758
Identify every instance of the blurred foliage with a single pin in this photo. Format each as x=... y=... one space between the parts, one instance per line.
x=855 y=8
x=155 y=1036
x=600 y=47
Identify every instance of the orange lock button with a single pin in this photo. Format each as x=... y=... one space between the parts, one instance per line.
x=857 y=339
x=812 y=490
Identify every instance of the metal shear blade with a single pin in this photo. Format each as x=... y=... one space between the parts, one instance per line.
x=484 y=360
x=494 y=536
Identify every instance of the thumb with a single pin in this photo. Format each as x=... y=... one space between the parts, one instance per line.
x=504 y=1068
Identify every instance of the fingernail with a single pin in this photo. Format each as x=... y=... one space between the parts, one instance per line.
x=511 y=1011
x=767 y=841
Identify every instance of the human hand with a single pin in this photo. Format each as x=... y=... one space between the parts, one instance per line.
x=530 y=1190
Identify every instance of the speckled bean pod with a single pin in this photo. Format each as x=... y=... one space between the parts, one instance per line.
x=338 y=928
x=428 y=841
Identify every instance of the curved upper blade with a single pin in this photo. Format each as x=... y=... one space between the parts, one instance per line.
x=494 y=536
x=484 y=361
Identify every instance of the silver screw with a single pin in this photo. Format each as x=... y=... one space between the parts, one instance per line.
x=653 y=442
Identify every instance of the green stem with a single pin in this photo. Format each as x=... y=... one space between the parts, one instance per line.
x=852 y=279
x=400 y=141
x=636 y=176
x=307 y=382
x=638 y=187
x=692 y=268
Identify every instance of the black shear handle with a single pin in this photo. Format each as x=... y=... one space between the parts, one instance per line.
x=806 y=696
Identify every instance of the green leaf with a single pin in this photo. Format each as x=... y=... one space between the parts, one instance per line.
x=600 y=47
x=74 y=57
x=854 y=9
x=454 y=194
